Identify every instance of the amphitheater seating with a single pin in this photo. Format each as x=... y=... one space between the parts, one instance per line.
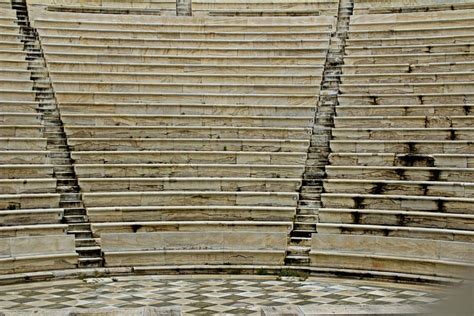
x=397 y=6
x=265 y=8
x=184 y=125
x=194 y=248
x=199 y=7
x=33 y=253
x=32 y=236
x=145 y=7
x=400 y=179
x=395 y=254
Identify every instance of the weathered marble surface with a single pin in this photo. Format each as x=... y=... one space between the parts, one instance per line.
x=35 y=253
x=393 y=254
x=143 y=311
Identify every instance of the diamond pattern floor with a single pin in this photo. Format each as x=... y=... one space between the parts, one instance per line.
x=209 y=295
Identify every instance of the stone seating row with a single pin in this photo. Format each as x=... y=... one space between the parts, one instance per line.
x=427 y=110
x=402 y=134
x=224 y=226
x=386 y=7
x=423 y=233
x=399 y=174
x=111 y=170
x=395 y=159
x=458 y=34
x=415 y=58
x=410 y=48
x=235 y=121
x=15 y=74
x=447 y=18
x=188 y=184
x=249 y=68
x=206 y=144
x=20 y=118
x=407 y=99
x=184 y=248
x=149 y=7
x=186 y=108
x=177 y=198
x=148 y=87
x=406 y=67
x=198 y=97
x=196 y=59
x=379 y=217
x=42 y=19
x=314 y=32
x=127 y=214
x=22 y=143
x=168 y=136
x=408 y=78
x=25 y=254
x=407 y=88
x=382 y=39
x=12 y=186
x=404 y=146
x=160 y=131
x=28 y=217
x=21 y=131
x=32 y=230
x=32 y=236
x=24 y=157
x=12 y=64
x=416 y=173
x=393 y=254
x=200 y=7
x=29 y=200
x=155 y=46
x=190 y=78
x=397 y=187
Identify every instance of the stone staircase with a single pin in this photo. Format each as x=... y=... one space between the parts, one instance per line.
x=318 y=153
x=67 y=186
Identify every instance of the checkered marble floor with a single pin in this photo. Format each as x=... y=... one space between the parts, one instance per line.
x=209 y=295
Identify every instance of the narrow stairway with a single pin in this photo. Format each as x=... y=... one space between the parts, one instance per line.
x=309 y=200
x=75 y=215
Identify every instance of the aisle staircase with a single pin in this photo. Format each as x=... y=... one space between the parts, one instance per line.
x=318 y=153
x=67 y=186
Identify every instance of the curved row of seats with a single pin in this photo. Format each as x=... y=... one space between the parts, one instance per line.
x=199 y=7
x=32 y=236
x=187 y=125
x=399 y=197
x=402 y=6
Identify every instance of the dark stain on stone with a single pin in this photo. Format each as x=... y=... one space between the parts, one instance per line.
x=356 y=217
x=410 y=160
x=452 y=134
x=411 y=148
x=440 y=206
x=136 y=227
x=467 y=109
x=435 y=173
x=378 y=188
x=358 y=202
x=400 y=173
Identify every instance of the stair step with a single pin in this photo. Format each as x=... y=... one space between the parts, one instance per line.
x=70 y=204
x=74 y=211
x=298 y=250
x=85 y=242
x=90 y=262
x=297 y=260
x=75 y=218
x=87 y=248
x=80 y=233
x=301 y=241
